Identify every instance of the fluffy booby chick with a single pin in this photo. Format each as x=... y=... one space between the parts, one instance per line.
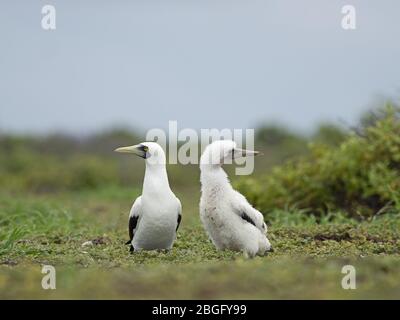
x=230 y=221
x=155 y=216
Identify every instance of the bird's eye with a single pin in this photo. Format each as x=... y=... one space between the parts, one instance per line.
x=145 y=148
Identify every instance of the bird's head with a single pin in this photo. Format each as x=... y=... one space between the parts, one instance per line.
x=150 y=151
x=224 y=151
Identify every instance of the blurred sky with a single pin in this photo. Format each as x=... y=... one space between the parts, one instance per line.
x=205 y=63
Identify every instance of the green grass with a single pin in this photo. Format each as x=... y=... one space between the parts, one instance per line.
x=307 y=261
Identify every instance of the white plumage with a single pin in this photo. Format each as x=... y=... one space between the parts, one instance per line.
x=229 y=220
x=155 y=215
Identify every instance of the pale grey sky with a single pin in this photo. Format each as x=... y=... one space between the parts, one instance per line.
x=204 y=63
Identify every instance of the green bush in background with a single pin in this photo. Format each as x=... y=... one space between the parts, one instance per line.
x=58 y=163
x=361 y=176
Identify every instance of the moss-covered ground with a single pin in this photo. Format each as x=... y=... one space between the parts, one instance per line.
x=307 y=262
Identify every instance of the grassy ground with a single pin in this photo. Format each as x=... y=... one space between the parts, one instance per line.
x=307 y=262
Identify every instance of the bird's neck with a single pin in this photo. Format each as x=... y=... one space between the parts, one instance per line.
x=155 y=179
x=214 y=178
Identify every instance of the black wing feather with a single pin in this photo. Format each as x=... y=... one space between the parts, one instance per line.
x=132 y=226
x=179 y=221
x=245 y=217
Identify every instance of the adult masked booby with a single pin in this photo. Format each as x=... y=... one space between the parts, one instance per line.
x=229 y=220
x=155 y=215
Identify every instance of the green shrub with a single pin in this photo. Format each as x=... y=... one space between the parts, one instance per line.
x=361 y=176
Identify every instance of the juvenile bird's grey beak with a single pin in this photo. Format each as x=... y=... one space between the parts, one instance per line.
x=245 y=153
x=137 y=149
